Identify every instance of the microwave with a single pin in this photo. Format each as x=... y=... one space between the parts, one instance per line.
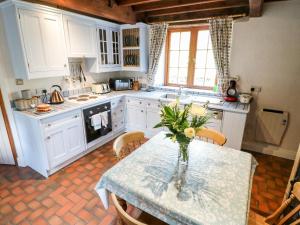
x=120 y=84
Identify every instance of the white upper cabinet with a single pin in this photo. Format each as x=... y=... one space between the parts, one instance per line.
x=134 y=46
x=108 y=51
x=80 y=36
x=35 y=40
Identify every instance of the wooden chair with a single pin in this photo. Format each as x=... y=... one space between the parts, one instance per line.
x=126 y=219
x=277 y=218
x=207 y=134
x=127 y=143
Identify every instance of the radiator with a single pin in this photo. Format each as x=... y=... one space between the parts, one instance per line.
x=271 y=125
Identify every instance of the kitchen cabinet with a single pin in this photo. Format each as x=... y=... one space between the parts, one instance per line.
x=233 y=128
x=143 y=116
x=64 y=139
x=153 y=118
x=136 y=118
x=80 y=36
x=36 y=40
x=118 y=114
x=108 y=51
x=135 y=48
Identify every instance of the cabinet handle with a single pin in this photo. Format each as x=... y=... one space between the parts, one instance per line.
x=76 y=116
x=121 y=110
x=65 y=65
x=140 y=102
x=121 y=101
x=142 y=110
x=149 y=104
x=48 y=137
x=49 y=124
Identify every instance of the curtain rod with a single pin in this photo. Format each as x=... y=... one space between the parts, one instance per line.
x=204 y=20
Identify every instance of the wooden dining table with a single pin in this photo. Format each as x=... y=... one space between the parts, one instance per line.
x=217 y=187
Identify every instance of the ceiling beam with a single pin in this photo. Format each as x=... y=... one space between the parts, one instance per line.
x=94 y=8
x=168 y=4
x=199 y=7
x=199 y=15
x=134 y=2
x=196 y=22
x=256 y=8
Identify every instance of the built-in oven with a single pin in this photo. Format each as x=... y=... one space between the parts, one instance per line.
x=94 y=131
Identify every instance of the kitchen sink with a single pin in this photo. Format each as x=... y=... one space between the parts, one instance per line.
x=174 y=96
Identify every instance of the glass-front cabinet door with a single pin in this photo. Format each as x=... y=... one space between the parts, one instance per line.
x=109 y=47
x=103 y=42
x=115 y=37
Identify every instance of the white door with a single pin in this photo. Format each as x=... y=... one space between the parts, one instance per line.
x=6 y=156
x=136 y=118
x=56 y=146
x=80 y=37
x=153 y=118
x=104 y=56
x=31 y=27
x=74 y=137
x=44 y=43
x=53 y=36
x=115 y=58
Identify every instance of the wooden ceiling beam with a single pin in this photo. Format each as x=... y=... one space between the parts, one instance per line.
x=168 y=4
x=135 y=2
x=256 y=8
x=199 y=15
x=95 y=8
x=203 y=21
x=201 y=7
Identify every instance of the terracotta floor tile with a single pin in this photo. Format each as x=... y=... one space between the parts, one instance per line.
x=68 y=196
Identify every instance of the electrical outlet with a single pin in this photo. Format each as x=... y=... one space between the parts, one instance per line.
x=19 y=82
x=255 y=89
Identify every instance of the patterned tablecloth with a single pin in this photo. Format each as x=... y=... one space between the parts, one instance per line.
x=216 y=192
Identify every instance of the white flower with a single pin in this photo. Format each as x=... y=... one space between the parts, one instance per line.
x=197 y=110
x=189 y=132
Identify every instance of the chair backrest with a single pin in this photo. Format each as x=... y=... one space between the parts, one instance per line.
x=121 y=207
x=278 y=218
x=126 y=143
x=207 y=134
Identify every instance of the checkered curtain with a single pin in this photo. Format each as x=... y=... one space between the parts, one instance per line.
x=157 y=36
x=221 y=36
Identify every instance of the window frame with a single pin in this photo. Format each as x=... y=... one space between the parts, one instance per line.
x=192 y=57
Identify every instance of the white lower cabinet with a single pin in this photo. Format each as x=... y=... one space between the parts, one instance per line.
x=136 y=118
x=64 y=139
x=233 y=128
x=118 y=114
x=143 y=116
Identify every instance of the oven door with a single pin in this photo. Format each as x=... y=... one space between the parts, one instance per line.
x=92 y=133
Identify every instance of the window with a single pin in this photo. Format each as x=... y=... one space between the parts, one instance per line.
x=189 y=58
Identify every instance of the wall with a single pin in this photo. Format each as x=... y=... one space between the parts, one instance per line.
x=266 y=53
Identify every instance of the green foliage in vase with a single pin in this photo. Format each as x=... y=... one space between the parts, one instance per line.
x=183 y=123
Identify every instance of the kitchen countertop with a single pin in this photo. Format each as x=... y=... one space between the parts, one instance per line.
x=154 y=95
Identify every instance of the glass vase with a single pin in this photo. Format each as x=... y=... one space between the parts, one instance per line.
x=182 y=165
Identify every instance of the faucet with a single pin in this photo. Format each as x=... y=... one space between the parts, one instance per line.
x=180 y=90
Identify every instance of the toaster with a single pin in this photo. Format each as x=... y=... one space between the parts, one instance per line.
x=100 y=88
x=120 y=84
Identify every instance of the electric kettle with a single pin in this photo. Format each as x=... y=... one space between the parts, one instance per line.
x=56 y=97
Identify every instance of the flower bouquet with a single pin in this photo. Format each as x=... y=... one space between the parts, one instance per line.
x=183 y=124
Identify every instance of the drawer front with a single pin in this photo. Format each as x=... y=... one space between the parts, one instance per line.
x=154 y=105
x=135 y=102
x=118 y=123
x=117 y=102
x=118 y=111
x=60 y=120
